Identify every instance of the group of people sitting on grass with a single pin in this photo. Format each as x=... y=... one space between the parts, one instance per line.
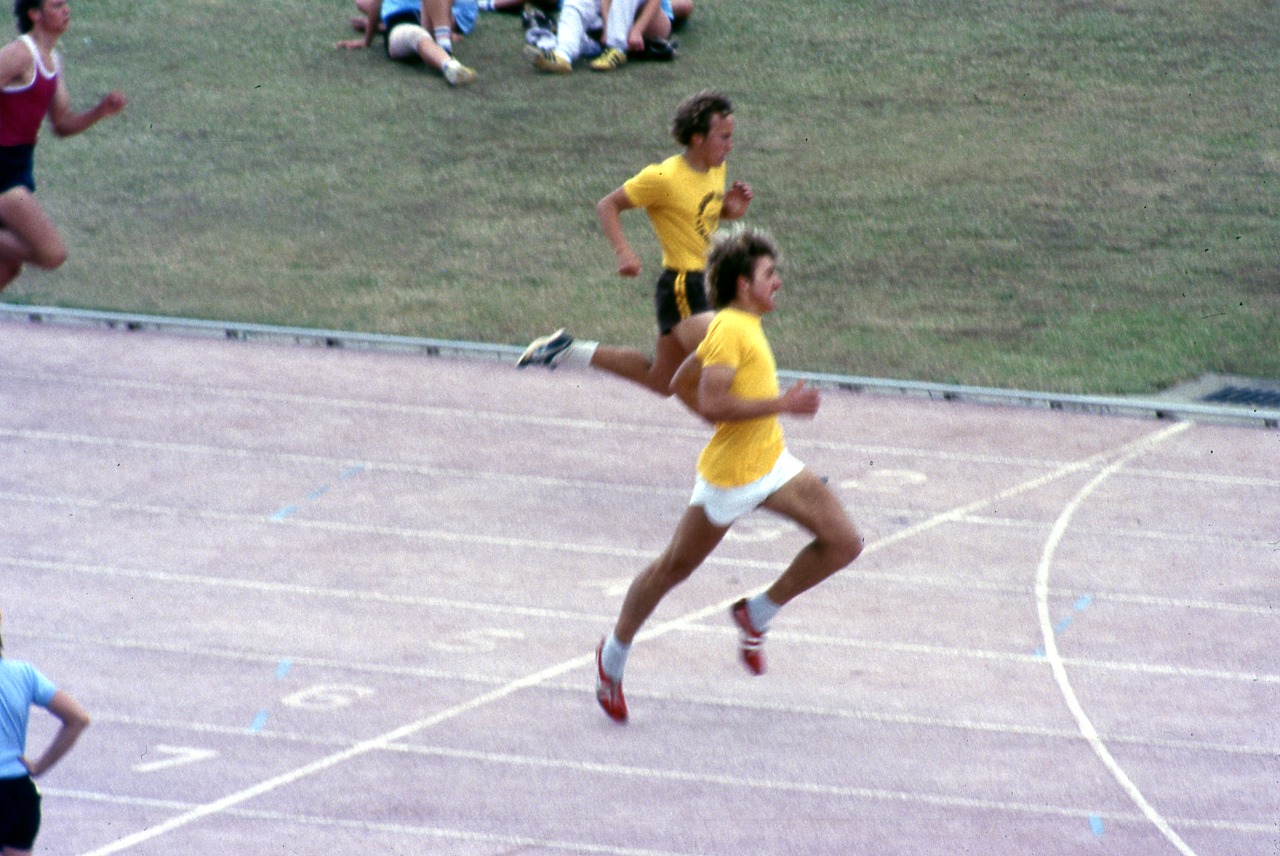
x=558 y=33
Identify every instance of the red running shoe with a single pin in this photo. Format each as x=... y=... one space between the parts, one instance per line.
x=609 y=691
x=752 y=639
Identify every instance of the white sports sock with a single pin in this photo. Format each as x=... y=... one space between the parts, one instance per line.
x=613 y=657
x=579 y=353
x=444 y=38
x=761 y=611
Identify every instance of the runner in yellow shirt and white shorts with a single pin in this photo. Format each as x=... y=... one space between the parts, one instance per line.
x=734 y=381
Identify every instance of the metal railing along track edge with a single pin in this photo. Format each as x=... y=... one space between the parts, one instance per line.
x=1134 y=406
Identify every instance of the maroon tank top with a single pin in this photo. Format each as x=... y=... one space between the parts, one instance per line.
x=23 y=108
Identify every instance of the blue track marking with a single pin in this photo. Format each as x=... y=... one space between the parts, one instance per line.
x=260 y=718
x=259 y=721
x=287 y=511
x=1081 y=604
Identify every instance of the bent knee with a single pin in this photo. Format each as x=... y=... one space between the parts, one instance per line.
x=50 y=258
x=845 y=547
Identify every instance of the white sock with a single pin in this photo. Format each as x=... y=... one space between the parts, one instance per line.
x=613 y=657
x=486 y=5
x=444 y=38
x=579 y=354
x=761 y=611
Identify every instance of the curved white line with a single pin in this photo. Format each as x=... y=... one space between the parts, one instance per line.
x=1085 y=725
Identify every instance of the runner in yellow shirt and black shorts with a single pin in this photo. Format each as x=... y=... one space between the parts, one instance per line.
x=734 y=381
x=685 y=199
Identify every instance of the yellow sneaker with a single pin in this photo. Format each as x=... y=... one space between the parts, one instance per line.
x=548 y=60
x=609 y=60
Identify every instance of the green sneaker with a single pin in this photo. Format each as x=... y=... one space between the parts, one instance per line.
x=609 y=60
x=548 y=60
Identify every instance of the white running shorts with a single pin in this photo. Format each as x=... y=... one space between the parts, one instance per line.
x=724 y=505
x=402 y=41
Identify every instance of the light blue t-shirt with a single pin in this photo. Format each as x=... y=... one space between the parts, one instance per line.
x=464 y=11
x=21 y=685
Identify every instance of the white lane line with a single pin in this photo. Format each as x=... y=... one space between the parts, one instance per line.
x=71 y=438
x=791 y=709
x=327 y=462
x=785 y=786
x=782 y=636
x=308 y=820
x=466 y=415
x=298 y=590
x=1244 y=827
x=1052 y=655
x=913 y=581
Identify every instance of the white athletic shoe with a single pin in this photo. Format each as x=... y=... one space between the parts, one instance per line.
x=458 y=74
x=546 y=351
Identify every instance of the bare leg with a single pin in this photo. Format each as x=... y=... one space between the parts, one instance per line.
x=27 y=235
x=9 y=272
x=439 y=14
x=622 y=16
x=694 y=539
x=432 y=54
x=655 y=374
x=836 y=543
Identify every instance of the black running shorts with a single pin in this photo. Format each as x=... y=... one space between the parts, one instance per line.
x=19 y=813
x=677 y=296
x=15 y=167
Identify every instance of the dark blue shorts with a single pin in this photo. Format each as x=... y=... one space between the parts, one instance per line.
x=16 y=168
x=19 y=813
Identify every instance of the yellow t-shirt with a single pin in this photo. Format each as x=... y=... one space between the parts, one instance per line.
x=684 y=207
x=741 y=452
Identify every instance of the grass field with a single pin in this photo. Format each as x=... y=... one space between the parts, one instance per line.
x=1071 y=196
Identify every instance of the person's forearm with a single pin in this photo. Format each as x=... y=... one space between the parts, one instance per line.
x=611 y=224
x=74 y=721
x=646 y=16
x=78 y=123
x=66 y=737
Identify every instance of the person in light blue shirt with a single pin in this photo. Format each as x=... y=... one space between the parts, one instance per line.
x=418 y=30
x=21 y=686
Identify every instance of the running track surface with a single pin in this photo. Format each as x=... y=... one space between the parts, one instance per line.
x=325 y=601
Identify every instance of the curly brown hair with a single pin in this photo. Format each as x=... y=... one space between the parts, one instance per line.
x=694 y=114
x=734 y=254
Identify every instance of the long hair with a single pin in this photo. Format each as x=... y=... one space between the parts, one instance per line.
x=734 y=254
